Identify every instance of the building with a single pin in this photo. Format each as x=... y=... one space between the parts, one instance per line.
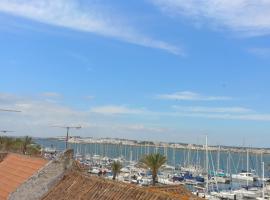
x=15 y=169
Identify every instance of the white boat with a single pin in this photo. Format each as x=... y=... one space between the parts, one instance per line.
x=245 y=176
x=94 y=170
x=88 y=157
x=144 y=181
x=120 y=159
x=105 y=159
x=230 y=195
x=219 y=179
x=96 y=157
x=78 y=157
x=167 y=181
x=203 y=195
x=195 y=170
x=49 y=150
x=251 y=193
x=200 y=194
x=168 y=168
x=263 y=198
x=125 y=170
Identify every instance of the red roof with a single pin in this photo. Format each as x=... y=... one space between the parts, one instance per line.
x=77 y=185
x=16 y=169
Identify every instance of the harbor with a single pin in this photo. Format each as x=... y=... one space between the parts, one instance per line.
x=230 y=174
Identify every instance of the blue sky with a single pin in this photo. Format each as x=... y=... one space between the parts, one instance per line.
x=158 y=70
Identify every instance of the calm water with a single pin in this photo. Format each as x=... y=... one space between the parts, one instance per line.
x=233 y=162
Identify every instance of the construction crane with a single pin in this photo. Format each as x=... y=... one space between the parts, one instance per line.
x=68 y=128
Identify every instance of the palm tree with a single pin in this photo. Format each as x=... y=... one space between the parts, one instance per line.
x=116 y=167
x=154 y=162
x=27 y=140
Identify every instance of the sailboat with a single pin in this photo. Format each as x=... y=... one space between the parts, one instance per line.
x=203 y=192
x=263 y=197
x=249 y=192
x=219 y=176
x=246 y=175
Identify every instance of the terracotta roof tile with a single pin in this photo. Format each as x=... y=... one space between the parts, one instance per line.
x=75 y=185
x=16 y=169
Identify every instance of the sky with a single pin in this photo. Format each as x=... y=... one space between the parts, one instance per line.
x=160 y=70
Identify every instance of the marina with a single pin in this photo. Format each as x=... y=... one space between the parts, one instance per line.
x=230 y=175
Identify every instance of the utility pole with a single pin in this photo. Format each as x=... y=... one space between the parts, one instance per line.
x=68 y=128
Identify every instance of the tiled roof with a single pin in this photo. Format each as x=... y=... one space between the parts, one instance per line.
x=16 y=169
x=76 y=185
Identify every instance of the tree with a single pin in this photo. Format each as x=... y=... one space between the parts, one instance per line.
x=153 y=162
x=27 y=140
x=116 y=167
x=8 y=142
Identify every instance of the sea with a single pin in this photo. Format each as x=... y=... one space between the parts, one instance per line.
x=231 y=163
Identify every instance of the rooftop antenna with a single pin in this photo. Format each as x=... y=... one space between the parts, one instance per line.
x=68 y=127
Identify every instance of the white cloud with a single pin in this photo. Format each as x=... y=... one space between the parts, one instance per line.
x=202 y=109
x=141 y=128
x=229 y=116
x=89 y=97
x=190 y=96
x=113 y=109
x=226 y=113
x=246 y=16
x=38 y=116
x=261 y=52
x=51 y=94
x=71 y=14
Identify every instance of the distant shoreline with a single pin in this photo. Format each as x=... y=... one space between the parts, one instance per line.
x=128 y=142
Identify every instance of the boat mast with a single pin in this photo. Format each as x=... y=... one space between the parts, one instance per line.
x=218 y=158
x=263 y=196
x=206 y=164
x=188 y=158
x=130 y=170
x=227 y=172
x=137 y=152
x=229 y=168
x=165 y=151
x=247 y=165
x=197 y=157
x=174 y=163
